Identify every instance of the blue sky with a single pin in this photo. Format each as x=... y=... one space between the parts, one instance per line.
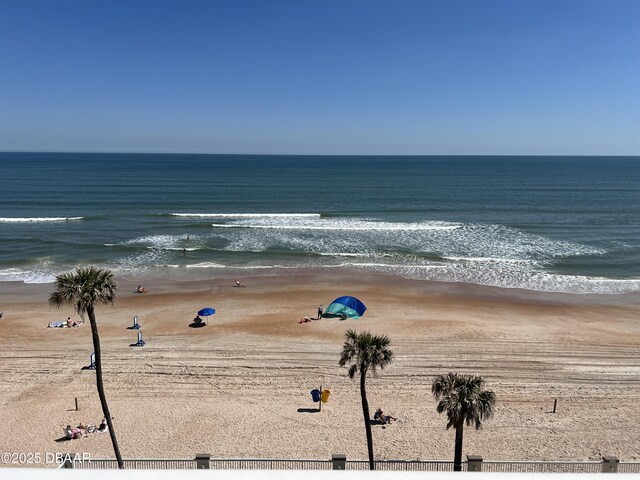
x=432 y=77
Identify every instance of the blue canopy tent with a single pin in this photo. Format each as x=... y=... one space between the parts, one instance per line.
x=346 y=307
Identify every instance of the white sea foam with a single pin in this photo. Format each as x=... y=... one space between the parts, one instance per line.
x=478 y=241
x=391 y=267
x=203 y=265
x=248 y=215
x=366 y=226
x=458 y=242
x=346 y=254
x=206 y=265
x=486 y=259
x=38 y=275
x=507 y=278
x=165 y=242
x=37 y=219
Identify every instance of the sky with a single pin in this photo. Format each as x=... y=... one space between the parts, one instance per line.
x=405 y=77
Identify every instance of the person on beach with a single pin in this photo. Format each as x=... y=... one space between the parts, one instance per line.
x=240 y=284
x=381 y=417
x=305 y=320
x=72 y=433
x=103 y=427
x=320 y=311
x=142 y=289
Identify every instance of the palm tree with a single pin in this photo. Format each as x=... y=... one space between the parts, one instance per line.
x=365 y=352
x=84 y=288
x=465 y=401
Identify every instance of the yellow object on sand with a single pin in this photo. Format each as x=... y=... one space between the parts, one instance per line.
x=325 y=396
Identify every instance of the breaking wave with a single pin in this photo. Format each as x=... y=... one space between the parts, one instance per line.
x=37 y=219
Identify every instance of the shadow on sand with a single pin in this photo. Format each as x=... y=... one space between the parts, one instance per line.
x=308 y=410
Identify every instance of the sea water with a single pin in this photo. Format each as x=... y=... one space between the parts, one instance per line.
x=562 y=224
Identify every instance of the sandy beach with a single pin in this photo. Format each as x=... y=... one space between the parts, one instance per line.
x=239 y=387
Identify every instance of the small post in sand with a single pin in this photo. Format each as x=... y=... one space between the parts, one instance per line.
x=320 y=402
x=555 y=403
x=76 y=404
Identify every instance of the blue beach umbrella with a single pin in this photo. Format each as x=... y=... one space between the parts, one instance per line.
x=349 y=307
x=205 y=312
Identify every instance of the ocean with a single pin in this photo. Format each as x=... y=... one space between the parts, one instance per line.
x=559 y=224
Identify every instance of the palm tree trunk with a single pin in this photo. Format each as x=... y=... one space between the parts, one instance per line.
x=103 y=398
x=367 y=418
x=457 y=457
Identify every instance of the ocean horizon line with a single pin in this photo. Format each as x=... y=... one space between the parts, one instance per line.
x=350 y=155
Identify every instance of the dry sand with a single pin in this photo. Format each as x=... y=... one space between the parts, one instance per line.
x=239 y=387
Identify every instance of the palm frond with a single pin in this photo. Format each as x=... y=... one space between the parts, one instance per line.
x=365 y=351
x=463 y=399
x=83 y=288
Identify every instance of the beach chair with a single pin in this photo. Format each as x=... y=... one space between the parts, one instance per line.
x=140 y=342
x=136 y=325
x=92 y=362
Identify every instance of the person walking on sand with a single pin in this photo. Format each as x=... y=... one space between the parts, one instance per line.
x=320 y=311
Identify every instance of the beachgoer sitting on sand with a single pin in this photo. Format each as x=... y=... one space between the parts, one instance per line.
x=103 y=427
x=240 y=284
x=305 y=320
x=382 y=418
x=72 y=433
x=142 y=289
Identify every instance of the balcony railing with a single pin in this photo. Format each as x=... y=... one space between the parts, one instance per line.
x=339 y=462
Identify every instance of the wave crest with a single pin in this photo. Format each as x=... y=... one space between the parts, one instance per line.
x=37 y=219
x=248 y=215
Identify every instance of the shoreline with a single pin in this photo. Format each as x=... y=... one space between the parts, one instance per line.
x=240 y=386
x=165 y=285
